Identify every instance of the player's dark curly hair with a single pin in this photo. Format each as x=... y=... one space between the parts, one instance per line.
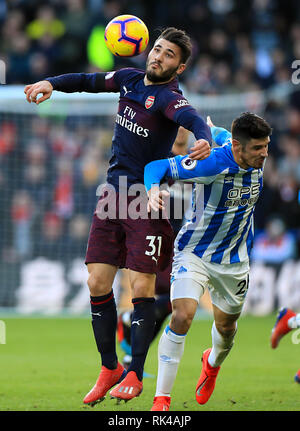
x=249 y=126
x=180 y=38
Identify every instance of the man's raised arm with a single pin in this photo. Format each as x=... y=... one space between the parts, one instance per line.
x=68 y=83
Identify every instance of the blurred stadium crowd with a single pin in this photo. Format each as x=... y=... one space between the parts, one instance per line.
x=237 y=45
x=54 y=167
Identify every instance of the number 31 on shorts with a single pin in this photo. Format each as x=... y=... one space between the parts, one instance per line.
x=154 y=245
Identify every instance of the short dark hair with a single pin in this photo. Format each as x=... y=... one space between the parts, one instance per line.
x=249 y=126
x=180 y=38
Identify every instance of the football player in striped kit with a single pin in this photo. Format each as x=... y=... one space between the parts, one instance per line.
x=212 y=249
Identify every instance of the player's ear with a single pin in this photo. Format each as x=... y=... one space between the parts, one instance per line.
x=236 y=145
x=181 y=68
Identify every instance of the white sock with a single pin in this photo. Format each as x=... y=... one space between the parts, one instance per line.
x=221 y=346
x=170 y=351
x=294 y=322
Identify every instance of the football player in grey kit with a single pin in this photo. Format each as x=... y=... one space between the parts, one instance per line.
x=151 y=109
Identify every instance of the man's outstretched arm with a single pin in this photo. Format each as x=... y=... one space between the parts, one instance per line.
x=68 y=83
x=183 y=168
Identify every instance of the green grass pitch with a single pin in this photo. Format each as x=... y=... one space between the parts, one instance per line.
x=49 y=364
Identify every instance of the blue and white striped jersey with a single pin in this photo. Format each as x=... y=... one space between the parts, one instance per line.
x=224 y=197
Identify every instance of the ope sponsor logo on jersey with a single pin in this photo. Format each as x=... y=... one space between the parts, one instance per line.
x=126 y=121
x=235 y=196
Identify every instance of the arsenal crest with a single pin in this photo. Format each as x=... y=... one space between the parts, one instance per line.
x=149 y=101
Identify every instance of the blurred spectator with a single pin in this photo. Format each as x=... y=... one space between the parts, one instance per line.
x=77 y=20
x=45 y=31
x=197 y=19
x=275 y=245
x=22 y=217
x=51 y=240
x=78 y=232
x=52 y=226
x=35 y=153
x=264 y=32
x=12 y=26
x=63 y=191
x=38 y=164
x=243 y=81
x=289 y=163
x=200 y=77
x=90 y=174
x=38 y=67
x=218 y=46
x=40 y=128
x=45 y=23
x=220 y=7
x=288 y=202
x=36 y=184
x=64 y=142
x=18 y=60
x=264 y=67
x=222 y=77
x=8 y=137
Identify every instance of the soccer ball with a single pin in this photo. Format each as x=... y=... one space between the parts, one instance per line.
x=126 y=36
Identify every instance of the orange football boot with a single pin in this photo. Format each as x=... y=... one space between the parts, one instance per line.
x=161 y=404
x=281 y=327
x=207 y=379
x=106 y=380
x=128 y=388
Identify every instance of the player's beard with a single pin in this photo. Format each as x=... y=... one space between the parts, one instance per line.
x=256 y=163
x=155 y=77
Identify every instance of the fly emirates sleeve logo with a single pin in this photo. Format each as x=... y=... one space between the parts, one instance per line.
x=127 y=120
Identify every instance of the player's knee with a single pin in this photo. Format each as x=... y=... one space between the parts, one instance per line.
x=181 y=320
x=97 y=284
x=143 y=287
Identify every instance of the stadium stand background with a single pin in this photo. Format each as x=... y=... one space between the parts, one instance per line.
x=50 y=166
